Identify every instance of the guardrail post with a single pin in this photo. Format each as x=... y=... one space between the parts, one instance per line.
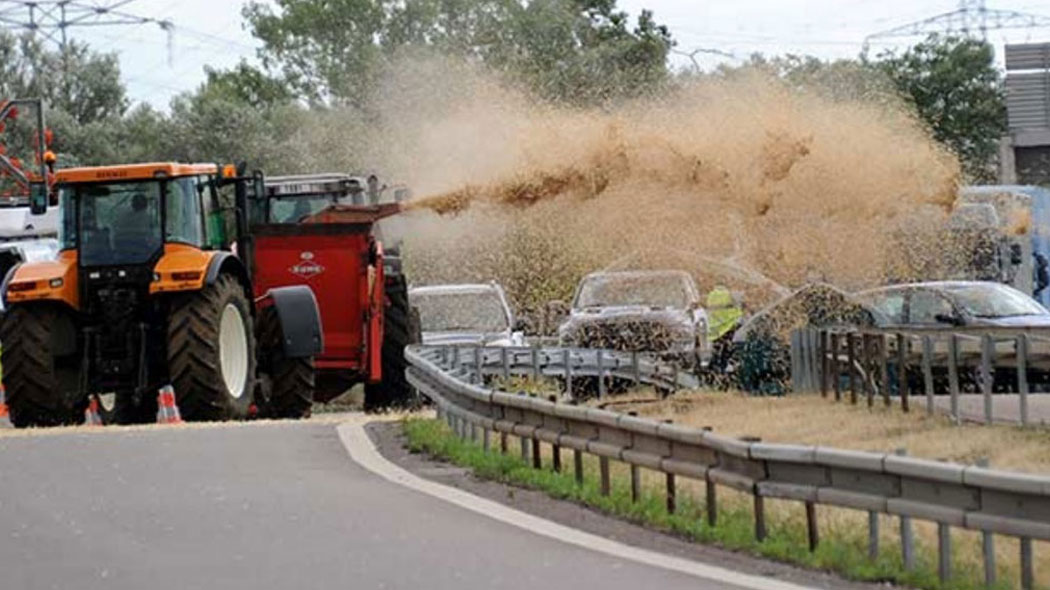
x=927 y=372
x=902 y=371
x=873 y=535
x=1022 y=376
x=537 y=456
x=1027 y=572
x=907 y=536
x=884 y=370
x=603 y=468
x=822 y=352
x=760 y=517
x=636 y=368
x=536 y=373
x=851 y=357
x=577 y=464
x=811 y=526
x=455 y=357
x=503 y=443
x=478 y=377
x=567 y=354
x=444 y=357
x=636 y=483
x=473 y=432
x=671 y=489
x=601 y=373
x=944 y=551
x=555 y=448
x=953 y=376
x=711 y=492
x=987 y=351
x=486 y=443
x=505 y=361
x=671 y=494
x=988 y=546
x=524 y=443
x=836 y=373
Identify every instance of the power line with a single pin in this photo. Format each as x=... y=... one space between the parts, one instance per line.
x=53 y=18
x=972 y=17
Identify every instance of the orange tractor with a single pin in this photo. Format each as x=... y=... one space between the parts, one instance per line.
x=154 y=284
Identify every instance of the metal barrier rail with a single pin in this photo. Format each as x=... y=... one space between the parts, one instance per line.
x=951 y=495
x=858 y=362
x=566 y=364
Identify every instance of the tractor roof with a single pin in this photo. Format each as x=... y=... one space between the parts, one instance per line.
x=132 y=172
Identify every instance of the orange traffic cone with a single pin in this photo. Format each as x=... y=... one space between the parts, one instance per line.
x=91 y=415
x=167 y=411
x=5 y=416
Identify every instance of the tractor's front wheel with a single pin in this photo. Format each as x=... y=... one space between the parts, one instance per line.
x=211 y=352
x=41 y=366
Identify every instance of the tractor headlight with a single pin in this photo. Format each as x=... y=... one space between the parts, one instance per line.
x=56 y=283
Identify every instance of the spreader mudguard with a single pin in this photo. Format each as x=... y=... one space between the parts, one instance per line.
x=300 y=320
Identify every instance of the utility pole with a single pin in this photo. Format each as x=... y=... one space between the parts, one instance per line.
x=972 y=19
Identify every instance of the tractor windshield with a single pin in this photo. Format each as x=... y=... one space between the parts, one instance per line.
x=112 y=224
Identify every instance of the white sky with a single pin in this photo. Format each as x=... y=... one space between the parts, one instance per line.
x=209 y=32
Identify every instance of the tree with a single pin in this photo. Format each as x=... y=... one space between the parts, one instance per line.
x=957 y=90
x=582 y=51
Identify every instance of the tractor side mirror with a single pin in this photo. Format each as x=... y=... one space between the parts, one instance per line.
x=38 y=198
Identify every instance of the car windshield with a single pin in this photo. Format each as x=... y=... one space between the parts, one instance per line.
x=295 y=209
x=651 y=290
x=461 y=312
x=116 y=223
x=995 y=301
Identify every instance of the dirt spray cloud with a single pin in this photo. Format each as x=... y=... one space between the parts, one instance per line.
x=739 y=180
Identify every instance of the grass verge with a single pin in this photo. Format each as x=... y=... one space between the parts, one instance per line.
x=843 y=549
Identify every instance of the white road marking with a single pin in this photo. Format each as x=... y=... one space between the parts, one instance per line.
x=363 y=452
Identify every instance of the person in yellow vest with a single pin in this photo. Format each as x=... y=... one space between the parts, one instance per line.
x=723 y=317
x=723 y=314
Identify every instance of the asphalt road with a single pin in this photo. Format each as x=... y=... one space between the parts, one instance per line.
x=277 y=506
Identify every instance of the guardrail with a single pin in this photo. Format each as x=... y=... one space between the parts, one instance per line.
x=894 y=364
x=951 y=495
x=566 y=364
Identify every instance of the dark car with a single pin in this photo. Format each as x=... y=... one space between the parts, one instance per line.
x=954 y=303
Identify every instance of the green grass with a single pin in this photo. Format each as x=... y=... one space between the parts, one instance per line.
x=842 y=549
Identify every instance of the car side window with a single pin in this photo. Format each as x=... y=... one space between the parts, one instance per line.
x=925 y=306
x=891 y=305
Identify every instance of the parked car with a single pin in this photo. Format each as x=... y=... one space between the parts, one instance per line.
x=652 y=311
x=468 y=314
x=954 y=303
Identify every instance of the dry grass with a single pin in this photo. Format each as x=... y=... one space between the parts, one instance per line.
x=810 y=419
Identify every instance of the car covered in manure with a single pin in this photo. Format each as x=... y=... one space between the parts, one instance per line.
x=639 y=310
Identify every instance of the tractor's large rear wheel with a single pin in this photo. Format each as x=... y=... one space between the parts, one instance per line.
x=41 y=366
x=211 y=352
x=401 y=328
x=292 y=380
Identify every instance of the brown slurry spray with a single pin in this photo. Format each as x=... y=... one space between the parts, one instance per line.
x=738 y=180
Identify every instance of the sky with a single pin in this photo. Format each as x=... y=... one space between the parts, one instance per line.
x=210 y=32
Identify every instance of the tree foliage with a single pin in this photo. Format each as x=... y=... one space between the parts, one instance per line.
x=581 y=51
x=956 y=88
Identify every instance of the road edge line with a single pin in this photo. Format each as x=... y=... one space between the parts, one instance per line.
x=363 y=452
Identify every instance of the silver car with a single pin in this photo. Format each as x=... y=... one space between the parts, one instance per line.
x=469 y=314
